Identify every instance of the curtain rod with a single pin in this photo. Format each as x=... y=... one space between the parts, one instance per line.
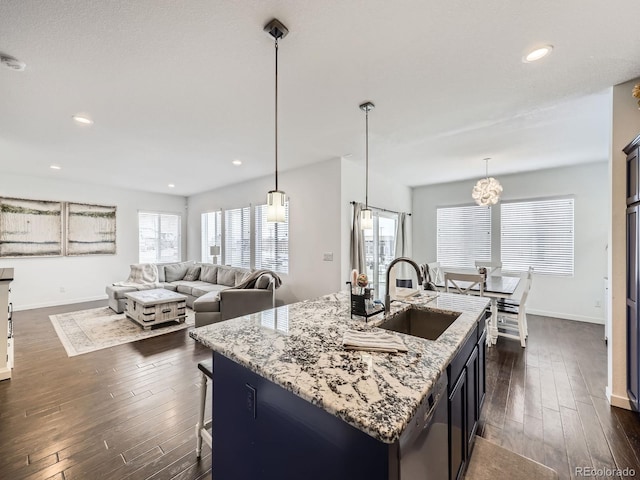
x=381 y=209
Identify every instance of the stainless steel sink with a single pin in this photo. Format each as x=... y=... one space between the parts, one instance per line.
x=420 y=323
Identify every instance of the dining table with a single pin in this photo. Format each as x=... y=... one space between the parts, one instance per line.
x=495 y=287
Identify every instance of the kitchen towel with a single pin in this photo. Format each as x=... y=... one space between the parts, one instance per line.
x=373 y=341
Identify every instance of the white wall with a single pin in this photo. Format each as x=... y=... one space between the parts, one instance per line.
x=314 y=224
x=625 y=127
x=319 y=219
x=573 y=298
x=383 y=193
x=38 y=281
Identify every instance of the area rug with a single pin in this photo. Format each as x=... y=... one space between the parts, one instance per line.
x=90 y=330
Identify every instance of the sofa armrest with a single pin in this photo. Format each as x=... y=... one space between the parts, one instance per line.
x=235 y=303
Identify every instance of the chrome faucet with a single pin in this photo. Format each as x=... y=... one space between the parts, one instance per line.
x=387 y=298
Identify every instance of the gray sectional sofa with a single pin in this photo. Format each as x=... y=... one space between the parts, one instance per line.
x=211 y=294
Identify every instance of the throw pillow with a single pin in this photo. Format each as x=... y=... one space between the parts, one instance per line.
x=240 y=276
x=192 y=274
x=176 y=271
x=161 y=278
x=226 y=276
x=263 y=281
x=209 y=273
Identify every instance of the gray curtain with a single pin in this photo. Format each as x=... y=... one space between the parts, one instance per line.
x=401 y=235
x=357 y=240
x=404 y=271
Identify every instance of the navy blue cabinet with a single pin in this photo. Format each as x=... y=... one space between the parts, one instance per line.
x=457 y=428
x=472 y=396
x=633 y=273
x=467 y=389
x=262 y=431
x=482 y=370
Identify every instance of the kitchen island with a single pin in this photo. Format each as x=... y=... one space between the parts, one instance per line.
x=291 y=402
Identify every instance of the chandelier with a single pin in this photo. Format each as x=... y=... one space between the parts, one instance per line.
x=487 y=191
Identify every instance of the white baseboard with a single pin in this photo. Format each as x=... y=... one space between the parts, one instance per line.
x=58 y=302
x=5 y=373
x=567 y=316
x=618 y=401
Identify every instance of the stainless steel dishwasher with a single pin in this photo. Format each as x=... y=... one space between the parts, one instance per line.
x=424 y=445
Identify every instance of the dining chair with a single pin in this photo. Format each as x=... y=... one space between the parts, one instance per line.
x=492 y=267
x=512 y=314
x=464 y=283
x=404 y=282
x=427 y=283
x=436 y=274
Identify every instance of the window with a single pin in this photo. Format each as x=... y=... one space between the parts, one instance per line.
x=538 y=234
x=237 y=237
x=464 y=235
x=272 y=241
x=379 y=249
x=211 y=234
x=159 y=237
x=247 y=240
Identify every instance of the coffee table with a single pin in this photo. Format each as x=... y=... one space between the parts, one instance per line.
x=151 y=307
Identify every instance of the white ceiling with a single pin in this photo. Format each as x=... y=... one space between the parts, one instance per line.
x=179 y=89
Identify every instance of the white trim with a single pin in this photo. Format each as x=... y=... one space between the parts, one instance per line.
x=618 y=401
x=567 y=316
x=5 y=373
x=538 y=199
x=58 y=303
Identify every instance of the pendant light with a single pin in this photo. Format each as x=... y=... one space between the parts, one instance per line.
x=276 y=198
x=487 y=191
x=366 y=219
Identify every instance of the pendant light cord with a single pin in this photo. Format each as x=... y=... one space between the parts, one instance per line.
x=276 y=110
x=366 y=197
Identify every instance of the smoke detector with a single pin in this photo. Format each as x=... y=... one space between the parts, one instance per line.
x=12 y=63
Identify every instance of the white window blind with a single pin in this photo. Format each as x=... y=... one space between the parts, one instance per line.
x=211 y=234
x=159 y=237
x=237 y=237
x=272 y=241
x=538 y=234
x=464 y=235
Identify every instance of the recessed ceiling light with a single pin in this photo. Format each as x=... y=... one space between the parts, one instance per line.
x=237 y=162
x=171 y=185
x=55 y=167
x=82 y=119
x=537 y=54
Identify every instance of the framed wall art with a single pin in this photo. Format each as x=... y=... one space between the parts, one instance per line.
x=91 y=229
x=30 y=228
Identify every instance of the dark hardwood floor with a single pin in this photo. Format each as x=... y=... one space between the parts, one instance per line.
x=129 y=412
x=547 y=401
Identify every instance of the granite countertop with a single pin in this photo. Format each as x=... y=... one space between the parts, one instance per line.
x=299 y=347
